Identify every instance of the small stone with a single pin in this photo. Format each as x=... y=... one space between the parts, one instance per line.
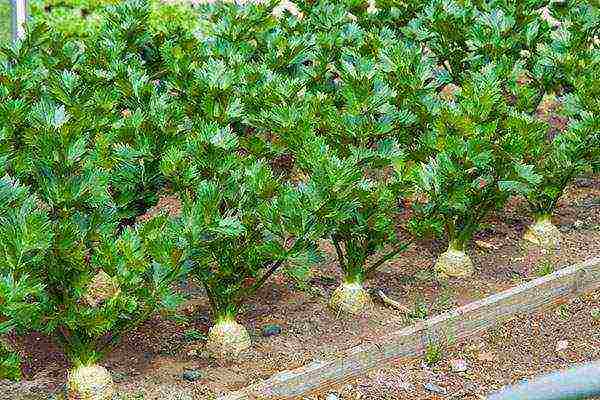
x=192 y=375
x=271 y=330
x=432 y=387
x=562 y=345
x=332 y=396
x=119 y=377
x=458 y=365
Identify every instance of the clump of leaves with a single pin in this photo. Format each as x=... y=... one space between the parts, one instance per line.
x=5 y=27
x=73 y=18
x=10 y=362
x=420 y=310
x=545 y=267
x=193 y=335
x=595 y=313
x=68 y=266
x=472 y=173
x=116 y=70
x=465 y=36
x=563 y=312
x=434 y=352
x=238 y=225
x=123 y=65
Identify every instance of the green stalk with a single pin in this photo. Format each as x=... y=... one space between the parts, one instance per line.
x=457 y=245
x=226 y=315
x=543 y=217
x=402 y=247
x=355 y=267
x=257 y=285
x=340 y=254
x=354 y=279
x=79 y=351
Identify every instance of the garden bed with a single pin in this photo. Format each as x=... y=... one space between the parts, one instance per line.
x=524 y=347
x=272 y=134
x=154 y=357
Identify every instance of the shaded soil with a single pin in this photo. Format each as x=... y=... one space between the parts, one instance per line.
x=152 y=359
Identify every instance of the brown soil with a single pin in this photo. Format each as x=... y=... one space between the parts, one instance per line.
x=522 y=348
x=152 y=359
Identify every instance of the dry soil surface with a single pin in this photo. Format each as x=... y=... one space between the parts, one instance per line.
x=152 y=359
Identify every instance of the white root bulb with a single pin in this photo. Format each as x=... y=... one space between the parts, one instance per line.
x=227 y=339
x=544 y=234
x=350 y=298
x=90 y=382
x=454 y=263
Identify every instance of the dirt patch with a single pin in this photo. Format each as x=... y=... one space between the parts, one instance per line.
x=151 y=360
x=521 y=348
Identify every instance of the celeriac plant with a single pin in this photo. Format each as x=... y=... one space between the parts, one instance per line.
x=240 y=221
x=560 y=153
x=556 y=157
x=68 y=266
x=356 y=206
x=239 y=225
x=472 y=173
x=365 y=102
x=350 y=151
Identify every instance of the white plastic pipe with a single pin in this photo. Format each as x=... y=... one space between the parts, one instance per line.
x=579 y=382
x=19 y=17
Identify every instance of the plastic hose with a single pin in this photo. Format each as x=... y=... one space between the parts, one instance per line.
x=580 y=382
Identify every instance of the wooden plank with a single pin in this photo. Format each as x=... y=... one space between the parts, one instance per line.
x=466 y=321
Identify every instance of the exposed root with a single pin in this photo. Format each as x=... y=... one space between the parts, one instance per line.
x=392 y=303
x=544 y=234
x=91 y=382
x=454 y=263
x=350 y=298
x=227 y=339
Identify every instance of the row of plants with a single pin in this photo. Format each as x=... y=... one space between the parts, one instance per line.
x=276 y=126
x=80 y=18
